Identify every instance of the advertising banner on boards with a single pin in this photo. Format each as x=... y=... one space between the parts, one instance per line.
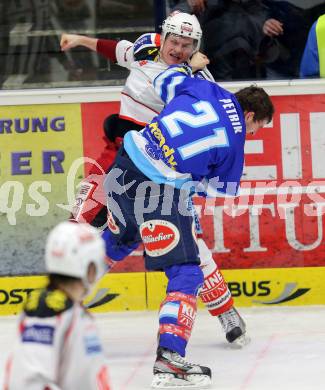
x=40 y=147
x=278 y=221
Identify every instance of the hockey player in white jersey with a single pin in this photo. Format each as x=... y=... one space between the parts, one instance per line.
x=179 y=43
x=58 y=346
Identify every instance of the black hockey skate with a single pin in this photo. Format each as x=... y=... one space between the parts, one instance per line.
x=171 y=371
x=234 y=327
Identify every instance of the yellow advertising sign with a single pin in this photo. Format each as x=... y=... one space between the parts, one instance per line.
x=119 y=292
x=38 y=143
x=142 y=291
x=114 y=292
x=259 y=287
x=39 y=148
x=14 y=291
x=277 y=286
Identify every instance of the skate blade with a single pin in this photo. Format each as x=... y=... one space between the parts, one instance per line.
x=169 y=381
x=240 y=341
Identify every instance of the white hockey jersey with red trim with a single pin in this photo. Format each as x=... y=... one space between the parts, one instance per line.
x=139 y=101
x=57 y=347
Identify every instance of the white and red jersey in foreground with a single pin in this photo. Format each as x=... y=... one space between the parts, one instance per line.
x=57 y=347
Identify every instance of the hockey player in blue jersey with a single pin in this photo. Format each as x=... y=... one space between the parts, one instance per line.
x=196 y=144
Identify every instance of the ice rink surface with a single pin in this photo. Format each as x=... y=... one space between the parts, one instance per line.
x=287 y=351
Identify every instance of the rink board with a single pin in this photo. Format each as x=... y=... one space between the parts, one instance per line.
x=145 y=291
x=277 y=222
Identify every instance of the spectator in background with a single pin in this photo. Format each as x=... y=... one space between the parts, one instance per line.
x=313 y=59
x=232 y=33
x=296 y=18
x=189 y=6
x=251 y=39
x=287 y=40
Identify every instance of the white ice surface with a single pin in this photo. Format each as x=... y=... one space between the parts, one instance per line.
x=287 y=351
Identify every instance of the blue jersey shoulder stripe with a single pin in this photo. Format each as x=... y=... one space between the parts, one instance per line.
x=173 y=76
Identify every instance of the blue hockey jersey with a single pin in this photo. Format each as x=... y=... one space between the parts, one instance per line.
x=199 y=136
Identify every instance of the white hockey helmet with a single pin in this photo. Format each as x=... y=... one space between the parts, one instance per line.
x=183 y=24
x=71 y=247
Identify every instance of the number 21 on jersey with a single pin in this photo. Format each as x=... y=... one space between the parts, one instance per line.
x=205 y=115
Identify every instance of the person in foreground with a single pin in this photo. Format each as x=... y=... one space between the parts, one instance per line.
x=195 y=145
x=58 y=347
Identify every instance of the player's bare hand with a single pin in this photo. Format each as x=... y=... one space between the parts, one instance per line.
x=69 y=41
x=273 y=27
x=199 y=61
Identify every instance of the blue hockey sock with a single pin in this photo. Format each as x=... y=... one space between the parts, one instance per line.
x=178 y=311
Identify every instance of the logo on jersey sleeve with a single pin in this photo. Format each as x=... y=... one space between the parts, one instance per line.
x=159 y=237
x=152 y=152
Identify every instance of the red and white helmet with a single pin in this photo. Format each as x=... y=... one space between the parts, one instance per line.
x=71 y=247
x=183 y=24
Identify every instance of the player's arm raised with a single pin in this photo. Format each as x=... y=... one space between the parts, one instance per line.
x=115 y=51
